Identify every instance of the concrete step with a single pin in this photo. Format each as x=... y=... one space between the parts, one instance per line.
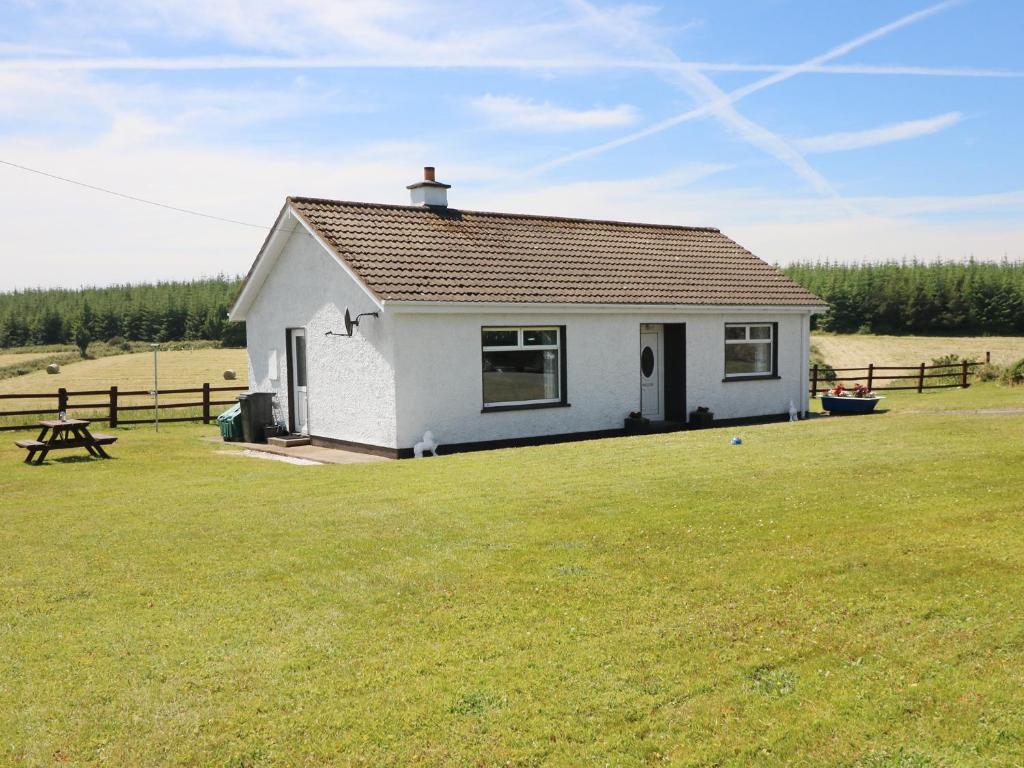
x=288 y=441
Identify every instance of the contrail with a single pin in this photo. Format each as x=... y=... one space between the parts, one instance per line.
x=732 y=97
x=215 y=63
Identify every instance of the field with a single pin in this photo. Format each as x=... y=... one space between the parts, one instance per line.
x=135 y=371
x=177 y=369
x=857 y=350
x=841 y=592
x=11 y=358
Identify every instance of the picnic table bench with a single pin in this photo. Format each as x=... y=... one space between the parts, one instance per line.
x=65 y=434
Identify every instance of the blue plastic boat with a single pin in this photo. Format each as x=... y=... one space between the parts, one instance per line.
x=848 y=404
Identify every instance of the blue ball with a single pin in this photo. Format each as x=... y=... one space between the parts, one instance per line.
x=736 y=441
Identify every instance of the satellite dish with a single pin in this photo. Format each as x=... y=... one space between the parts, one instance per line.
x=351 y=322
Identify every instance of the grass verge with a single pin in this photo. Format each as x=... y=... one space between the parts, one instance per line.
x=843 y=591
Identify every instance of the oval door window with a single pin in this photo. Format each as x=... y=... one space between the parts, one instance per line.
x=647 y=362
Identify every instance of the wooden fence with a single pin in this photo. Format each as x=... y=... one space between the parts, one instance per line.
x=64 y=402
x=917 y=376
x=953 y=374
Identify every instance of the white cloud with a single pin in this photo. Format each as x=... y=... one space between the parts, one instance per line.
x=515 y=112
x=82 y=107
x=58 y=234
x=871 y=239
x=26 y=49
x=84 y=237
x=429 y=31
x=886 y=134
x=411 y=59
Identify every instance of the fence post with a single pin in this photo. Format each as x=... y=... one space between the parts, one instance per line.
x=963 y=374
x=206 y=403
x=62 y=400
x=113 y=407
x=988 y=358
x=814 y=381
x=920 y=380
x=871 y=375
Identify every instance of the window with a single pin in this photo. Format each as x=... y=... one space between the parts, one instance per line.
x=523 y=367
x=749 y=350
x=300 y=360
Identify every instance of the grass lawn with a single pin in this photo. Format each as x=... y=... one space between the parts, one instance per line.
x=857 y=350
x=842 y=592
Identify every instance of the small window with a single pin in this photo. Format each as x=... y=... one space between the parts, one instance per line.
x=534 y=337
x=501 y=337
x=300 y=361
x=522 y=366
x=749 y=350
x=735 y=332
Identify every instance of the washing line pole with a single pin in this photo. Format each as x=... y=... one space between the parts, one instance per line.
x=156 y=389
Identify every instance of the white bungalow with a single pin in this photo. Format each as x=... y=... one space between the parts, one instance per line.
x=375 y=323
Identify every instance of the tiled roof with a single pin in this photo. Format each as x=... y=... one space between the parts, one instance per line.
x=408 y=253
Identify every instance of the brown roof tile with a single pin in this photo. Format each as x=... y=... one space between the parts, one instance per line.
x=413 y=253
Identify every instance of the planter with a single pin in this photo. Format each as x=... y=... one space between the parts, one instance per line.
x=844 y=405
x=701 y=418
x=637 y=426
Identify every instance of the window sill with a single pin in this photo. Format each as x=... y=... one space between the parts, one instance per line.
x=522 y=407
x=756 y=377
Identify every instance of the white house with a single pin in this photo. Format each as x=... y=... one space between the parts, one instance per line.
x=491 y=328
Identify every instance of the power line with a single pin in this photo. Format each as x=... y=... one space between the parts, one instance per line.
x=131 y=197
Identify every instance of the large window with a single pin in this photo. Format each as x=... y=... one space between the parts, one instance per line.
x=749 y=350
x=522 y=366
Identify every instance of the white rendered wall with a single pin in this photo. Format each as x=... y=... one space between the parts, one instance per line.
x=439 y=386
x=350 y=381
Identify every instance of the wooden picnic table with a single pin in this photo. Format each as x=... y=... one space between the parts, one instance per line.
x=64 y=434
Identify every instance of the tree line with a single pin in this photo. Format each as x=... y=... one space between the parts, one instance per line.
x=965 y=298
x=944 y=298
x=165 y=311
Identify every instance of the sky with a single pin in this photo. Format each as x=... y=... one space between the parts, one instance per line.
x=806 y=130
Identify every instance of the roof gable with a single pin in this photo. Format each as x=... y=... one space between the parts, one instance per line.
x=290 y=222
x=406 y=253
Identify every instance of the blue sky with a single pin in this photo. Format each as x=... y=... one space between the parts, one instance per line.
x=804 y=129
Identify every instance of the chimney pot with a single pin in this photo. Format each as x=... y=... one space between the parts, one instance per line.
x=430 y=191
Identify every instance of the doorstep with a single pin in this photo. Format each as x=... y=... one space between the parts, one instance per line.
x=288 y=441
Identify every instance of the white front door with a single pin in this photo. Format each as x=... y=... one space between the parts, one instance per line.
x=651 y=377
x=298 y=373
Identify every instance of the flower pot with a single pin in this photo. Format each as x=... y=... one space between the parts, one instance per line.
x=637 y=426
x=847 y=405
x=701 y=418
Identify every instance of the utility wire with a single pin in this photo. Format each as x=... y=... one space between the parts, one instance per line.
x=131 y=197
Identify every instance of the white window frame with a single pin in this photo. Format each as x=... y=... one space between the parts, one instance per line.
x=520 y=346
x=771 y=372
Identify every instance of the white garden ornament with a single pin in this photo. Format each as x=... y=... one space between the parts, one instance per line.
x=426 y=444
x=794 y=414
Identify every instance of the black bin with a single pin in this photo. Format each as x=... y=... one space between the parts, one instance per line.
x=257 y=413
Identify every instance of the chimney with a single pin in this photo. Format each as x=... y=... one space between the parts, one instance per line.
x=429 y=191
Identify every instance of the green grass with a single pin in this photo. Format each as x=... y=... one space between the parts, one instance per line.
x=842 y=592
